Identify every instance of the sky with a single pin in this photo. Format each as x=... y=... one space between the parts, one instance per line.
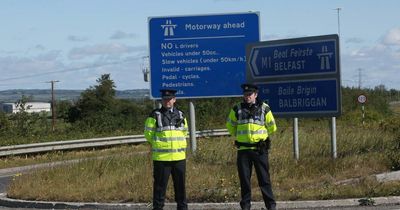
x=74 y=42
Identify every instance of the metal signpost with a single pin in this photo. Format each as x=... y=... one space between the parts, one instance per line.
x=298 y=78
x=362 y=99
x=200 y=56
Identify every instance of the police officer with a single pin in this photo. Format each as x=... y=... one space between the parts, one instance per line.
x=166 y=131
x=251 y=122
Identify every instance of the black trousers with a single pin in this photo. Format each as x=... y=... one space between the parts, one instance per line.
x=245 y=161
x=161 y=172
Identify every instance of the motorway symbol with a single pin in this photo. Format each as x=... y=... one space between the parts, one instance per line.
x=168 y=28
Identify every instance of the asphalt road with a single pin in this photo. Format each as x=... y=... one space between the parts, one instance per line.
x=5 y=179
x=358 y=208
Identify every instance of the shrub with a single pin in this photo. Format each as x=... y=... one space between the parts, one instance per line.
x=394 y=154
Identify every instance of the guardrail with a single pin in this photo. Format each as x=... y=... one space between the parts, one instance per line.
x=89 y=143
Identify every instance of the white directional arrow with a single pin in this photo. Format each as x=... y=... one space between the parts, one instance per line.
x=253 y=62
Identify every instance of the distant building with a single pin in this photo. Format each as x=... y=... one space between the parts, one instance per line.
x=30 y=107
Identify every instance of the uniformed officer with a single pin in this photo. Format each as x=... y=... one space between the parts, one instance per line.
x=252 y=122
x=166 y=131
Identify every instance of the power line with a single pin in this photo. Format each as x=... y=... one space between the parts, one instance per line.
x=65 y=70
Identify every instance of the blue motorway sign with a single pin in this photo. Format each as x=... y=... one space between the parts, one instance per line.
x=298 y=77
x=300 y=98
x=298 y=57
x=200 y=56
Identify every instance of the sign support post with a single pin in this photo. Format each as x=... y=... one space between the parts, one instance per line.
x=192 y=126
x=363 y=113
x=333 y=138
x=296 y=138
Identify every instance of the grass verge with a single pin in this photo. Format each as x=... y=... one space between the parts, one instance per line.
x=212 y=176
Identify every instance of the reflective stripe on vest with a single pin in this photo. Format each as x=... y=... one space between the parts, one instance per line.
x=160 y=126
x=180 y=115
x=171 y=128
x=168 y=150
x=159 y=120
x=245 y=121
x=251 y=132
x=165 y=139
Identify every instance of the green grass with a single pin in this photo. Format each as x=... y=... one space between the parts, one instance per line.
x=395 y=107
x=25 y=160
x=211 y=171
x=63 y=132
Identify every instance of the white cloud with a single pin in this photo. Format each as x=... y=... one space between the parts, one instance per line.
x=227 y=0
x=49 y=56
x=14 y=68
x=357 y=54
x=272 y=37
x=23 y=72
x=102 y=50
x=376 y=52
x=40 y=47
x=396 y=55
x=379 y=63
x=392 y=37
x=355 y=40
x=74 y=38
x=122 y=35
x=33 y=70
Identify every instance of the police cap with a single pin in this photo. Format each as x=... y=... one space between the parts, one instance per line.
x=167 y=93
x=249 y=88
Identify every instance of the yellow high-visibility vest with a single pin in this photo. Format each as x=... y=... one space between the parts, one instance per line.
x=166 y=135
x=251 y=126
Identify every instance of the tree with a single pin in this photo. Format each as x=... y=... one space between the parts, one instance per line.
x=4 y=123
x=21 y=117
x=381 y=88
x=63 y=108
x=394 y=95
x=96 y=108
x=98 y=98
